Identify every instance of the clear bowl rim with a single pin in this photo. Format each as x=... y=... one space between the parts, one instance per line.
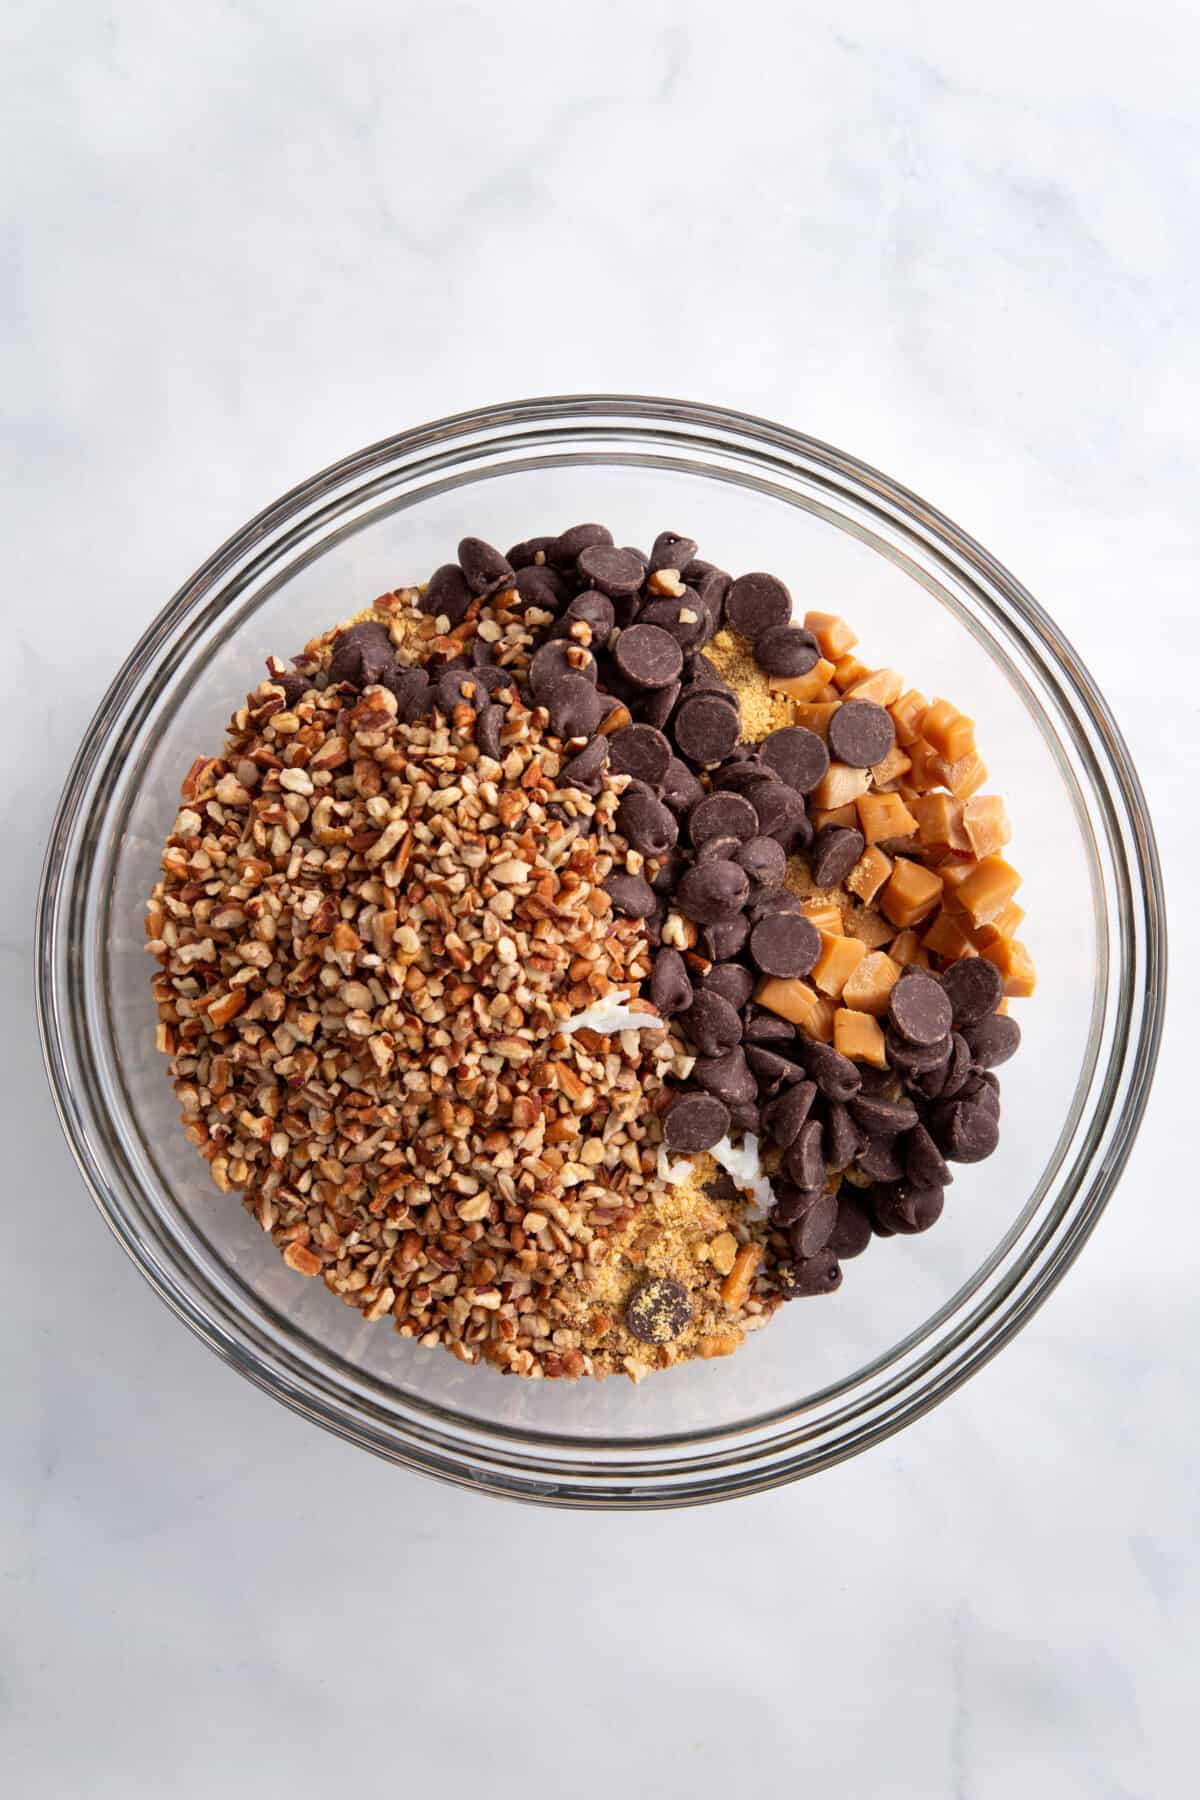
x=597 y=1482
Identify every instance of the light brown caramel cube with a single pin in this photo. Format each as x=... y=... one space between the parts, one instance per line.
x=869 y=927
x=988 y=889
x=814 y=715
x=839 y=785
x=870 y=984
x=839 y=958
x=950 y=732
x=834 y=815
x=1005 y=924
x=826 y=915
x=954 y=870
x=985 y=822
x=911 y=893
x=940 y=822
x=964 y=777
x=907 y=713
x=884 y=816
x=947 y=938
x=848 y=670
x=906 y=949
x=833 y=635
x=858 y=1035
x=925 y=766
x=803 y=687
x=883 y=686
x=869 y=874
x=894 y=764
x=1015 y=964
x=793 y=1000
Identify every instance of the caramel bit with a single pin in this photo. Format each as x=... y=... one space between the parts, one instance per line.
x=858 y=1035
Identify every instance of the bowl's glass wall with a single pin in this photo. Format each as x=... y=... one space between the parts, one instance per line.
x=820 y=1365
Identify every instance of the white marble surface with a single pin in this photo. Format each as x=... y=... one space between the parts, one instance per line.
x=244 y=238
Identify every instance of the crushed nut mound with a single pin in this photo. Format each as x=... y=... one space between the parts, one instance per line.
x=401 y=913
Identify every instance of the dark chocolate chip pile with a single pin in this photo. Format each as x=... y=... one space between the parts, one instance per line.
x=619 y=668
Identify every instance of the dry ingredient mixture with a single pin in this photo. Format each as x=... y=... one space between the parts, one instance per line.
x=401 y=915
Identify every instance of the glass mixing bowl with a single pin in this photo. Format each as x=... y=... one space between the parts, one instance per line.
x=915 y=1316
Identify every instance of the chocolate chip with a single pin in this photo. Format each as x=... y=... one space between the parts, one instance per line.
x=852 y=1232
x=714 y=891
x=983 y=1089
x=687 y=620
x=460 y=687
x=362 y=655
x=726 y=937
x=553 y=662
x=586 y=770
x=757 y=602
x=564 y=551
x=965 y=1131
x=900 y=1207
x=805 y=1161
x=880 y=1158
x=667 y=876
x=631 y=895
x=861 y=733
x=718 y=849
x=834 y=1074
x=763 y=1027
x=993 y=1040
x=787 y=1116
x=791 y=1202
x=650 y=826
x=733 y=982
x=745 y=1118
x=843 y=1139
x=729 y=1077
x=670 y=987
x=680 y=788
x=414 y=694
x=774 y=900
x=835 y=850
x=798 y=757
x=742 y=771
x=541 y=587
x=447 y=593
x=296 y=686
x=974 y=987
x=573 y=705
x=483 y=567
x=488 y=725
x=706 y=728
x=819 y=1274
x=595 y=610
x=785 y=944
x=764 y=860
x=781 y=813
x=712 y=1025
x=670 y=551
x=919 y=1009
x=700 y=673
x=924 y=1164
x=772 y=1071
x=655 y=707
x=640 y=750
x=944 y=1081
x=722 y=815
x=916 y=1059
x=880 y=1117
x=525 y=554
x=613 y=571
x=658 y=1310
x=648 y=656
x=814 y=1229
x=786 y=650
x=695 y=1122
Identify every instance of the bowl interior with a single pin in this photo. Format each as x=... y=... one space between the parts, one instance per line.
x=909 y=612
